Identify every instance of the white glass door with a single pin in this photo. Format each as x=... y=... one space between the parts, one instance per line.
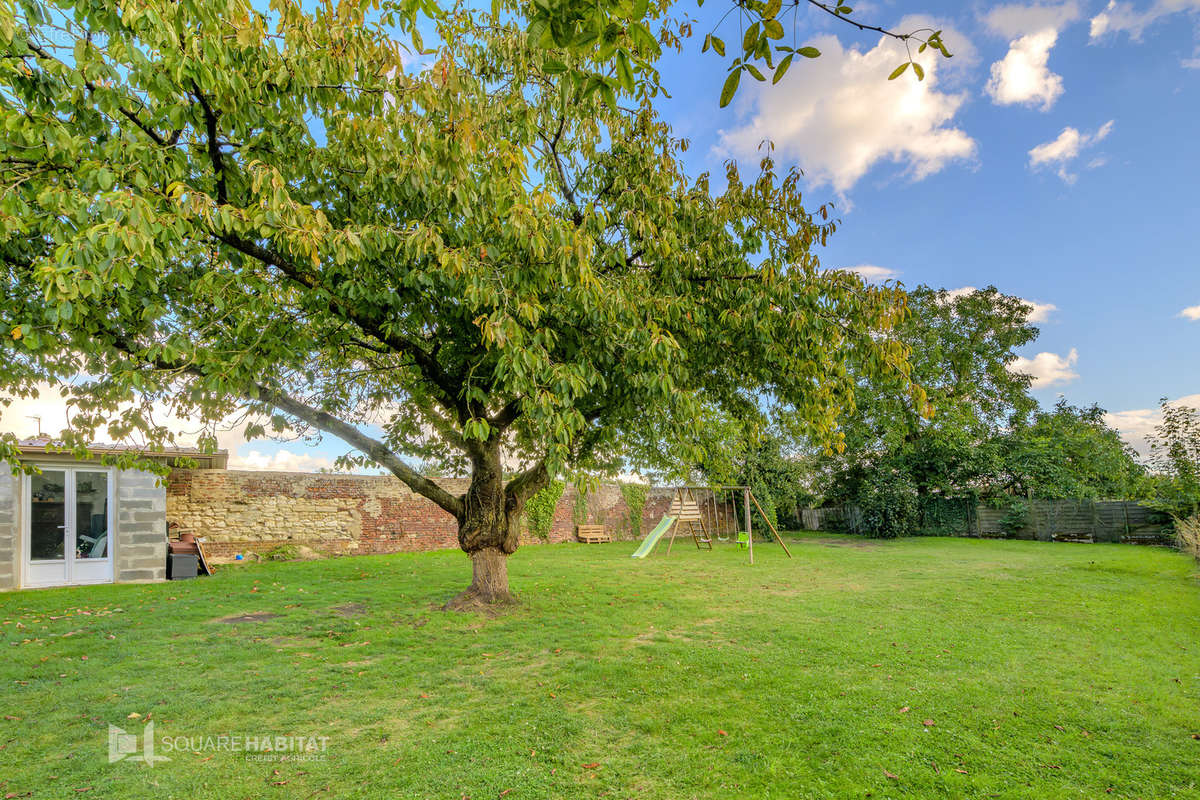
x=69 y=518
x=90 y=558
x=46 y=512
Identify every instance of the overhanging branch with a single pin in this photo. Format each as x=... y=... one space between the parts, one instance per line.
x=322 y=420
x=377 y=450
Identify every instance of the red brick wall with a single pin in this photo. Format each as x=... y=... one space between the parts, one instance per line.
x=242 y=512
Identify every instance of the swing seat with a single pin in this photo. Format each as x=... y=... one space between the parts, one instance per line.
x=743 y=540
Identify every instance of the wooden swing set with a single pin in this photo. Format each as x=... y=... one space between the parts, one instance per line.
x=706 y=522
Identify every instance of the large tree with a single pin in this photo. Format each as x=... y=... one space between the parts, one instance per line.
x=963 y=347
x=1068 y=452
x=471 y=261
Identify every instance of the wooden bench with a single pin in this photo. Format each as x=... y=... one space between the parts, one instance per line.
x=592 y=534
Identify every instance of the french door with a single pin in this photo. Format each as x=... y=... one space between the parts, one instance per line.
x=67 y=524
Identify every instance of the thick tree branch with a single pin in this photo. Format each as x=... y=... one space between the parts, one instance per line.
x=378 y=451
x=432 y=371
x=527 y=483
x=322 y=420
x=507 y=415
x=213 y=144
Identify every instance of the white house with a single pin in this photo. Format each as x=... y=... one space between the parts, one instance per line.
x=80 y=522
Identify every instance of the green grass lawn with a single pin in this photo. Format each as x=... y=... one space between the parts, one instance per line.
x=919 y=668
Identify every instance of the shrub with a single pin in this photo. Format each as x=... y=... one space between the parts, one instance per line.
x=284 y=552
x=1187 y=535
x=1016 y=517
x=888 y=502
x=539 y=509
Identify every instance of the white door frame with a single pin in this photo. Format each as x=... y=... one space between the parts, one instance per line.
x=75 y=571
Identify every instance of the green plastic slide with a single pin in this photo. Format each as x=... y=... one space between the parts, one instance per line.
x=652 y=538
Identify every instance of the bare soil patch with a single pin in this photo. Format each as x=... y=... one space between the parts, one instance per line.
x=256 y=616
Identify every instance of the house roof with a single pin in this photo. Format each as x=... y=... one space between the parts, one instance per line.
x=205 y=459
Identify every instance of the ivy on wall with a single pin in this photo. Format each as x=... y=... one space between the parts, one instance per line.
x=539 y=509
x=635 y=497
x=580 y=512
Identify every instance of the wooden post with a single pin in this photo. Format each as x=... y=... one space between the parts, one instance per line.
x=675 y=525
x=778 y=538
x=749 y=532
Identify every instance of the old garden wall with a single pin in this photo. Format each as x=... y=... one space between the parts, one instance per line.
x=243 y=511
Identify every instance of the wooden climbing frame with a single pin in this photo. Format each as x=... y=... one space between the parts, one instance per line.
x=686 y=511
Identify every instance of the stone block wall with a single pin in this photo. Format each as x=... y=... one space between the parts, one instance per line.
x=141 y=542
x=10 y=550
x=243 y=512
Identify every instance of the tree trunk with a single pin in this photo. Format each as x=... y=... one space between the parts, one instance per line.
x=489 y=530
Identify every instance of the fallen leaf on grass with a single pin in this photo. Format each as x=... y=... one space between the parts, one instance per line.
x=721 y=732
x=903 y=710
x=928 y=723
x=592 y=765
x=963 y=771
x=890 y=775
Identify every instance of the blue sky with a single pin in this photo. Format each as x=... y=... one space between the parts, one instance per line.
x=1055 y=156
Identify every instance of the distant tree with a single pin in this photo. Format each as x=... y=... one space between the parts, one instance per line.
x=1069 y=452
x=477 y=264
x=1175 y=458
x=771 y=463
x=962 y=347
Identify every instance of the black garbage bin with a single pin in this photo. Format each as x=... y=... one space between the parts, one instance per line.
x=181 y=566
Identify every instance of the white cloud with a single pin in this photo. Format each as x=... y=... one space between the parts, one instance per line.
x=1014 y=21
x=1191 y=312
x=838 y=116
x=1022 y=76
x=1190 y=63
x=280 y=461
x=1048 y=369
x=1040 y=312
x=1124 y=18
x=1066 y=148
x=873 y=274
x=1136 y=425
